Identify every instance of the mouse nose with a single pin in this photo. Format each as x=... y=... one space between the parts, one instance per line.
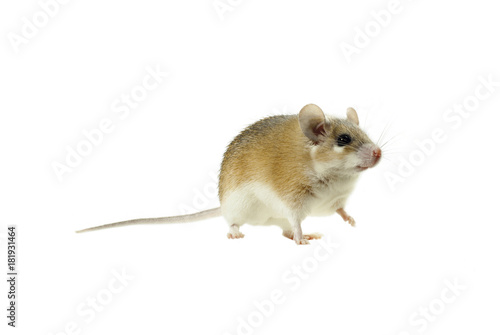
x=377 y=153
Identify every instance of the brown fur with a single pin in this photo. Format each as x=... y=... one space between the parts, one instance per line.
x=268 y=151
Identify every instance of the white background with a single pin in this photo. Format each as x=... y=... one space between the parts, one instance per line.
x=264 y=57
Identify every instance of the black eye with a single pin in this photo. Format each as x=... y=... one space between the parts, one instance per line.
x=343 y=140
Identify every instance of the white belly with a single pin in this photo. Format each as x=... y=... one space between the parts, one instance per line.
x=255 y=204
x=258 y=204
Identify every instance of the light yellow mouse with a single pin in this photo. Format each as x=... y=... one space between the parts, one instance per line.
x=284 y=168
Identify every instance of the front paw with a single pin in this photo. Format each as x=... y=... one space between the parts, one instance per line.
x=351 y=221
x=302 y=241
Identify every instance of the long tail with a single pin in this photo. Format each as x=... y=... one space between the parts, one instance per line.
x=208 y=214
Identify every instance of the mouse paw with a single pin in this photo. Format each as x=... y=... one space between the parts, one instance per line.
x=346 y=217
x=303 y=241
x=313 y=236
x=235 y=235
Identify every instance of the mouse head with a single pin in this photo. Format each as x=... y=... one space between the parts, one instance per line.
x=338 y=144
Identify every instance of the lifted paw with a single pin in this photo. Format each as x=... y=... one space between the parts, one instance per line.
x=346 y=217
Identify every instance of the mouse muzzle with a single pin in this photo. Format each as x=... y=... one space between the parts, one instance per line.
x=369 y=154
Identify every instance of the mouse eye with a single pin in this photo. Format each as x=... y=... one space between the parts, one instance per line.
x=343 y=140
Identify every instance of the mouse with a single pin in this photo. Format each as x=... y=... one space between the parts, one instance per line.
x=284 y=168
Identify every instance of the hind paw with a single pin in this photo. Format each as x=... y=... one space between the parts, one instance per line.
x=313 y=236
x=305 y=237
x=303 y=241
x=235 y=235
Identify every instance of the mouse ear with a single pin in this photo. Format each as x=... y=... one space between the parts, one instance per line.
x=312 y=122
x=352 y=115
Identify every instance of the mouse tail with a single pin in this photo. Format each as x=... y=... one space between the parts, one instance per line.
x=203 y=215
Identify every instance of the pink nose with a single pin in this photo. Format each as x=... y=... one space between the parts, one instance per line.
x=376 y=154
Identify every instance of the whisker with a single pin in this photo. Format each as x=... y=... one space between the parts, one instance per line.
x=389 y=140
x=387 y=125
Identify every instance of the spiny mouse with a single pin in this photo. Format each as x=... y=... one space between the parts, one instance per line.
x=284 y=168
